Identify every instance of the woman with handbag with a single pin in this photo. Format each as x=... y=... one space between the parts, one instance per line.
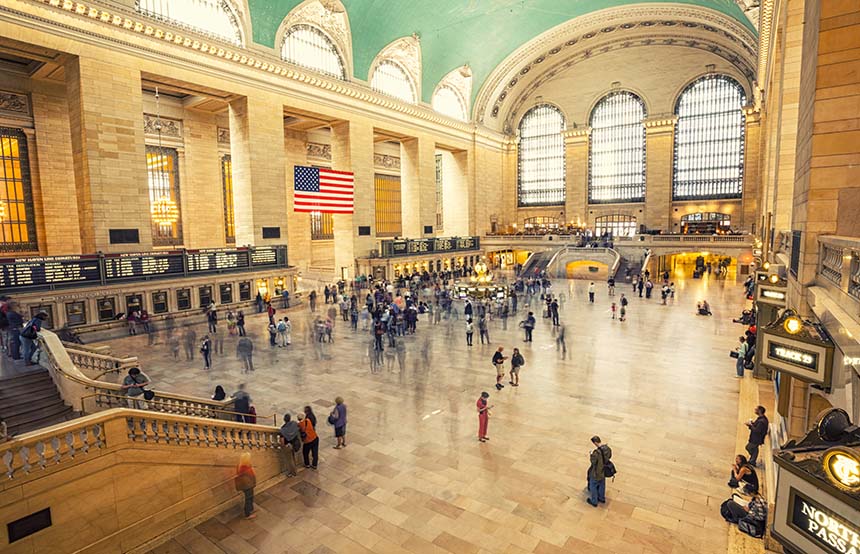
x=245 y=482
x=310 y=442
x=338 y=419
x=741 y=356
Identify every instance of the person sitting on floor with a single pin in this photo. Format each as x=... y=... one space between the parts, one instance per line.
x=703 y=308
x=750 y=516
x=743 y=475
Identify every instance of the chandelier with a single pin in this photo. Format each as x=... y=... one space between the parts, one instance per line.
x=164 y=211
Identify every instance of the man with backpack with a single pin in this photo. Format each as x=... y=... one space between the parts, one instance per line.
x=601 y=467
x=291 y=437
x=529 y=325
x=30 y=333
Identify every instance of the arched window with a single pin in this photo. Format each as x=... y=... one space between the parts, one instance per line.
x=389 y=78
x=617 y=225
x=709 y=140
x=541 y=157
x=309 y=47
x=446 y=101
x=215 y=18
x=17 y=218
x=617 y=157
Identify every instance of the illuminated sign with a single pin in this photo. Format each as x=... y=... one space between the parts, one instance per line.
x=842 y=467
x=792 y=355
x=825 y=529
x=773 y=294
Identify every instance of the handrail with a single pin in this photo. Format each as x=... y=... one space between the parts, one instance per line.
x=74 y=385
x=166 y=407
x=103 y=349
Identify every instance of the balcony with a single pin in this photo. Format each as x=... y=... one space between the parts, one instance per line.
x=839 y=264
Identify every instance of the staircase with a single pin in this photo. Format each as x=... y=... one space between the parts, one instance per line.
x=536 y=264
x=30 y=401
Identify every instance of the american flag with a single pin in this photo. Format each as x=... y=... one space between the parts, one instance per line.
x=323 y=190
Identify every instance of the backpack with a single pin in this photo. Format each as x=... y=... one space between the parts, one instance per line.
x=751 y=527
x=608 y=467
x=282 y=327
x=29 y=331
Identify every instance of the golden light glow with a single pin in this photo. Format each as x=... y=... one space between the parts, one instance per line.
x=842 y=466
x=165 y=211
x=766 y=266
x=774 y=278
x=793 y=325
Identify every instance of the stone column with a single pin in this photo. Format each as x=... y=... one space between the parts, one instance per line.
x=352 y=150
x=659 y=145
x=752 y=174
x=576 y=175
x=106 y=123
x=455 y=194
x=298 y=223
x=417 y=185
x=202 y=190
x=54 y=162
x=256 y=145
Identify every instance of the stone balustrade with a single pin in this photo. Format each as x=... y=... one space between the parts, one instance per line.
x=88 y=395
x=96 y=365
x=839 y=265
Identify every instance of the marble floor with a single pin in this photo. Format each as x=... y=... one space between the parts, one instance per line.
x=658 y=388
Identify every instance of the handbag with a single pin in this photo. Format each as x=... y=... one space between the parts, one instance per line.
x=734 y=354
x=148 y=394
x=29 y=332
x=751 y=527
x=245 y=481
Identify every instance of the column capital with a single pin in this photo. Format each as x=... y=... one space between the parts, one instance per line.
x=752 y=113
x=660 y=124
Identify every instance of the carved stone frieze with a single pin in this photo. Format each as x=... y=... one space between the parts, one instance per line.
x=319 y=151
x=223 y=135
x=170 y=128
x=14 y=103
x=386 y=161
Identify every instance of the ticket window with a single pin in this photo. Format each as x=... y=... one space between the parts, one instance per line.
x=76 y=313
x=225 y=293
x=159 y=302
x=263 y=287
x=48 y=309
x=106 y=308
x=183 y=299
x=205 y=295
x=244 y=291
x=279 y=285
x=133 y=303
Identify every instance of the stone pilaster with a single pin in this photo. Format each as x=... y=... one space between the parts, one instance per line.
x=417 y=185
x=202 y=190
x=455 y=194
x=659 y=145
x=752 y=173
x=352 y=150
x=298 y=224
x=106 y=123
x=60 y=233
x=576 y=175
x=256 y=145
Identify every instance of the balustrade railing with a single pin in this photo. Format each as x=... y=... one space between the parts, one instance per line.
x=839 y=264
x=639 y=239
x=86 y=394
x=91 y=435
x=96 y=365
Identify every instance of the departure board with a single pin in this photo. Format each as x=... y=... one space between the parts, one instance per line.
x=150 y=265
x=202 y=261
x=261 y=257
x=60 y=271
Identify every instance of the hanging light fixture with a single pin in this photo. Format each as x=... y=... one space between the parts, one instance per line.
x=163 y=210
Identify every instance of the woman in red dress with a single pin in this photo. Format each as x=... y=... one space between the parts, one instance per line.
x=483 y=417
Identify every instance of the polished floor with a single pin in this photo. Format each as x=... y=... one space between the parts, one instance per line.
x=659 y=388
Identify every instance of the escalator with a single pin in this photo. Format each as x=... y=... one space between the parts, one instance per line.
x=537 y=263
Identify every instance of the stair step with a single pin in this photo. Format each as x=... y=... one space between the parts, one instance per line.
x=25 y=378
x=46 y=422
x=11 y=412
x=52 y=411
x=11 y=401
x=26 y=388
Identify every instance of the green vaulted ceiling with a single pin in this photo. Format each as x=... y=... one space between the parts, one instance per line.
x=481 y=33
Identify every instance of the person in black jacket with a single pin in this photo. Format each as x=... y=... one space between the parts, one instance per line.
x=758 y=431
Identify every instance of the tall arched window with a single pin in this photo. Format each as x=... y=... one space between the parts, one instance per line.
x=709 y=140
x=215 y=18
x=616 y=171
x=389 y=78
x=446 y=101
x=541 y=157
x=617 y=225
x=309 y=47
